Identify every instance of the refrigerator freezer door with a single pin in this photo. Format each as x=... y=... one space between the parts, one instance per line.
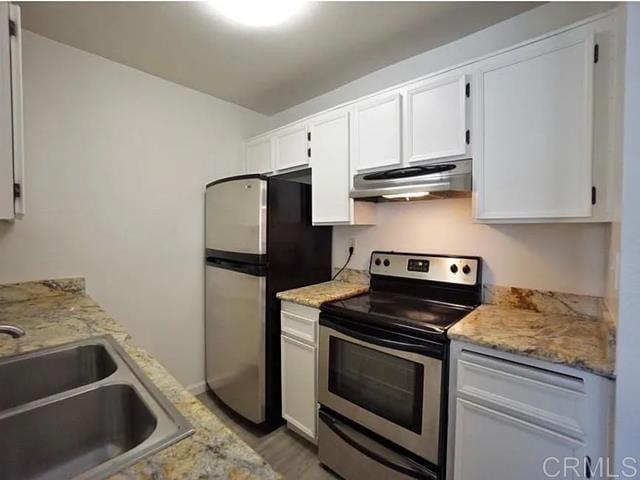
x=235 y=340
x=236 y=216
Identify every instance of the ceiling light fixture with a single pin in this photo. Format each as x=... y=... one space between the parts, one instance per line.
x=258 y=13
x=406 y=196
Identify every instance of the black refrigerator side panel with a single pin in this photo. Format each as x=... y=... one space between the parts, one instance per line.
x=298 y=254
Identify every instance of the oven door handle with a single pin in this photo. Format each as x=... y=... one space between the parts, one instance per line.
x=430 y=349
x=407 y=467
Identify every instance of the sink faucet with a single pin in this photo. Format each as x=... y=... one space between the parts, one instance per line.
x=15 y=332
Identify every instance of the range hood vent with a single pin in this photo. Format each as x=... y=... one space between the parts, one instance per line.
x=442 y=180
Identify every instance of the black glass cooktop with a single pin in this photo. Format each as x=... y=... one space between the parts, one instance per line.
x=401 y=311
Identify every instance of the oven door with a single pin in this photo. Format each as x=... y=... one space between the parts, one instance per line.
x=387 y=383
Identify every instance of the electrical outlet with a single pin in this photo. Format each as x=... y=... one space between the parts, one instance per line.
x=352 y=243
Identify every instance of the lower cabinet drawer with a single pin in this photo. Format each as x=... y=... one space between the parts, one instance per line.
x=298 y=326
x=550 y=399
x=299 y=385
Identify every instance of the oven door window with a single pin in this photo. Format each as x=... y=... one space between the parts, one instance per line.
x=386 y=385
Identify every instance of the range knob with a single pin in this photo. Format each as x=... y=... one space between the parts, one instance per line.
x=466 y=269
x=386 y=262
x=454 y=268
x=378 y=262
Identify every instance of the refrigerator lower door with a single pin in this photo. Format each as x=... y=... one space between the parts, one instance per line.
x=235 y=338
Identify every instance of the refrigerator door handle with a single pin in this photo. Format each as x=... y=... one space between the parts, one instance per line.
x=247 y=268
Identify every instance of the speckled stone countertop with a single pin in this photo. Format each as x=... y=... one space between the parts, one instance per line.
x=58 y=311
x=559 y=328
x=316 y=295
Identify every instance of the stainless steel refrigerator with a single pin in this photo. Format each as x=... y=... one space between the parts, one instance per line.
x=258 y=240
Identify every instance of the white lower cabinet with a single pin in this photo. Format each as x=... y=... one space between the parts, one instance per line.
x=298 y=350
x=492 y=445
x=513 y=418
x=298 y=385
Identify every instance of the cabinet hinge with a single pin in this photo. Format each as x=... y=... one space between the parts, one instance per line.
x=309 y=152
x=13 y=28
x=596 y=53
x=594 y=195
x=467 y=136
x=308 y=136
x=17 y=190
x=467 y=90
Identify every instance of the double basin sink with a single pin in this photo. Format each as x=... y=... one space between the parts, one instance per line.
x=82 y=410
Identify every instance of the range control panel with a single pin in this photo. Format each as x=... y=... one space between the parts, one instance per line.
x=460 y=270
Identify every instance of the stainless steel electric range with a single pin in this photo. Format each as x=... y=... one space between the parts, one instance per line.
x=383 y=366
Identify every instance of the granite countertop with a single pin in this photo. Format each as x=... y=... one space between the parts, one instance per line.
x=316 y=295
x=542 y=325
x=56 y=312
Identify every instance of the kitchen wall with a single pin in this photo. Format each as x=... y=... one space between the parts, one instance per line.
x=116 y=165
x=561 y=257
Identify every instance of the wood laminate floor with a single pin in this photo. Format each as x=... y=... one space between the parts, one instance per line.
x=291 y=456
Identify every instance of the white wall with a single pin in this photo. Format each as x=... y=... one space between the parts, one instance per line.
x=530 y=24
x=116 y=162
x=563 y=257
x=627 y=424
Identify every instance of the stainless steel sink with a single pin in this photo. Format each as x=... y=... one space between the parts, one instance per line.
x=82 y=410
x=47 y=372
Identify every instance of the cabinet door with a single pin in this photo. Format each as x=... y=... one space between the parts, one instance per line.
x=492 y=445
x=17 y=115
x=299 y=385
x=533 y=140
x=291 y=147
x=330 y=202
x=436 y=119
x=376 y=133
x=6 y=122
x=259 y=155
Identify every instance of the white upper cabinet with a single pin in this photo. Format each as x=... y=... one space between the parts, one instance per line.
x=376 y=133
x=11 y=131
x=291 y=147
x=533 y=130
x=330 y=179
x=540 y=121
x=259 y=155
x=330 y=173
x=435 y=126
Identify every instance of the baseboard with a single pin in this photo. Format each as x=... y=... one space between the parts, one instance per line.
x=198 y=388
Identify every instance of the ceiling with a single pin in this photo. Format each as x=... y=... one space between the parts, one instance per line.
x=265 y=69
